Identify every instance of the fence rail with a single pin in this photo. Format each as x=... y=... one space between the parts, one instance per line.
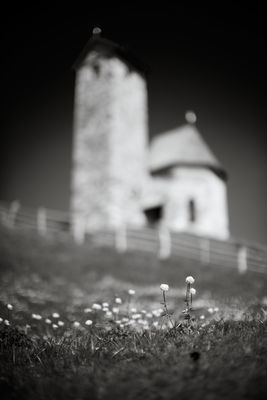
x=232 y=253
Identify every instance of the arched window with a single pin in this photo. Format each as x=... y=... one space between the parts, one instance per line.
x=192 y=210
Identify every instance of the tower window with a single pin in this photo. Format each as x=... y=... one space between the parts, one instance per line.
x=192 y=210
x=96 y=68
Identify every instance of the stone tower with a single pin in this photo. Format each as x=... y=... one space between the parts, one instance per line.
x=110 y=138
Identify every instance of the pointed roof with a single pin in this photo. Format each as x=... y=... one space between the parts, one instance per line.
x=109 y=49
x=182 y=146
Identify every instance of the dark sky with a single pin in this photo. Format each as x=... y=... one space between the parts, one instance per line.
x=210 y=60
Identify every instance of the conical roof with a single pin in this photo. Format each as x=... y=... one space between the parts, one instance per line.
x=182 y=146
x=109 y=49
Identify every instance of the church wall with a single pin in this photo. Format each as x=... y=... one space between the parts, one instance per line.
x=208 y=193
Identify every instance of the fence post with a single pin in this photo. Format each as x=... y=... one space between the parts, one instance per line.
x=78 y=229
x=41 y=221
x=205 y=250
x=164 y=243
x=13 y=210
x=242 y=264
x=121 y=238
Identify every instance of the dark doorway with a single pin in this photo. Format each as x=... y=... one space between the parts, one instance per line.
x=153 y=215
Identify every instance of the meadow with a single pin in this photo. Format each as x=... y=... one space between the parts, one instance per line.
x=84 y=322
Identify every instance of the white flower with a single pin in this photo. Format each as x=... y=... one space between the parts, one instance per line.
x=131 y=292
x=27 y=326
x=6 y=322
x=60 y=323
x=36 y=316
x=105 y=309
x=149 y=315
x=202 y=317
x=48 y=321
x=105 y=304
x=133 y=310
x=10 y=307
x=136 y=316
x=55 y=315
x=96 y=306
x=1 y=320
x=210 y=310
x=115 y=310
x=87 y=310
x=216 y=309
x=54 y=326
x=189 y=279
x=193 y=291
x=109 y=314
x=164 y=287
x=118 y=300
x=76 y=324
x=155 y=323
x=88 y=322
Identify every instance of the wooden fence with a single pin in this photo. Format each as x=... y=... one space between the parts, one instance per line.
x=232 y=253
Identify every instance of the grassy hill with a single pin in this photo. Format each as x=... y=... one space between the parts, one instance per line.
x=220 y=353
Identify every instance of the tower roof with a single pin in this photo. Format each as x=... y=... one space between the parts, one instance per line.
x=109 y=49
x=182 y=146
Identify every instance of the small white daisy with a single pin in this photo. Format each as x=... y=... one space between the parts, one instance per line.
x=88 y=322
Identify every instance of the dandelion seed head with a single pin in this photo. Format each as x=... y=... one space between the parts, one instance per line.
x=202 y=317
x=87 y=310
x=76 y=324
x=210 y=310
x=131 y=292
x=48 y=321
x=10 y=307
x=189 y=279
x=118 y=300
x=1 y=320
x=216 y=309
x=88 y=322
x=133 y=310
x=54 y=326
x=61 y=323
x=105 y=309
x=55 y=315
x=164 y=287
x=193 y=291
x=6 y=322
x=105 y=304
x=115 y=310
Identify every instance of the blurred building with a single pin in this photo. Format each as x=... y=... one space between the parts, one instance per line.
x=118 y=178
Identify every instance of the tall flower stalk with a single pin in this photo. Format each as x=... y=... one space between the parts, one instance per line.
x=164 y=287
